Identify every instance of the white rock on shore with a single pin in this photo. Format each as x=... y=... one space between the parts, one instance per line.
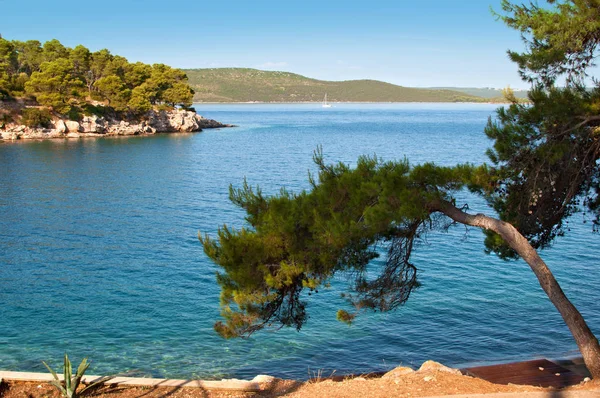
x=264 y=379
x=428 y=368
x=396 y=372
x=432 y=366
x=177 y=120
x=73 y=127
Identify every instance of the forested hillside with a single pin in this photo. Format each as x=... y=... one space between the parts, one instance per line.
x=246 y=85
x=489 y=93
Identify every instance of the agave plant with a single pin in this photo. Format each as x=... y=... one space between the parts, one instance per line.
x=68 y=387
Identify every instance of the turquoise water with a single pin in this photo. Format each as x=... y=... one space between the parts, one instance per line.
x=99 y=253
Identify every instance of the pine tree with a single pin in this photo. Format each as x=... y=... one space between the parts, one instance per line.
x=544 y=164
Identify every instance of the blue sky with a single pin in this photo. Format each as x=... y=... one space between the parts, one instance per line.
x=410 y=43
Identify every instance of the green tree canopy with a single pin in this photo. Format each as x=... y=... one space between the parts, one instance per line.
x=61 y=77
x=545 y=162
x=300 y=241
x=80 y=57
x=137 y=74
x=559 y=41
x=167 y=85
x=54 y=50
x=30 y=56
x=545 y=155
x=8 y=66
x=55 y=84
x=113 y=89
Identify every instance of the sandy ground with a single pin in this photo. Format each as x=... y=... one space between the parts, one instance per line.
x=411 y=384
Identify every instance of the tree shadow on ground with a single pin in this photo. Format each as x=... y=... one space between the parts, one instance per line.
x=276 y=388
x=156 y=391
x=279 y=388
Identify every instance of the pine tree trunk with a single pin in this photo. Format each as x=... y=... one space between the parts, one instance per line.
x=585 y=339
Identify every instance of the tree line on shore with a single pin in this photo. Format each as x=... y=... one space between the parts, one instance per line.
x=69 y=80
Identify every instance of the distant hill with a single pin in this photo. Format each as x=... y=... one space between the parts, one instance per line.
x=247 y=85
x=487 y=92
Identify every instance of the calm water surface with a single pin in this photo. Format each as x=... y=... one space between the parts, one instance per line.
x=99 y=253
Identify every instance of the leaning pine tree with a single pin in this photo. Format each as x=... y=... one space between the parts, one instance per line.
x=545 y=166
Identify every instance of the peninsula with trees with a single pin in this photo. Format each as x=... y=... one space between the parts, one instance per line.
x=52 y=91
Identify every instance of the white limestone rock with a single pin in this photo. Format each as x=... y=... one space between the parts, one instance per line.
x=8 y=135
x=264 y=379
x=180 y=120
x=93 y=124
x=432 y=366
x=59 y=126
x=176 y=120
x=73 y=126
x=397 y=372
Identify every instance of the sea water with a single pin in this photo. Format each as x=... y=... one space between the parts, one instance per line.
x=99 y=254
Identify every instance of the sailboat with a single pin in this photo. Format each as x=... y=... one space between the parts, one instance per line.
x=325 y=104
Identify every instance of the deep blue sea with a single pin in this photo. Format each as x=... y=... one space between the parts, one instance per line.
x=99 y=254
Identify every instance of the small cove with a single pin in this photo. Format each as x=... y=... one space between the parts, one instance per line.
x=99 y=254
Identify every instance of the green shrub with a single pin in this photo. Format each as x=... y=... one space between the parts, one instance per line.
x=97 y=110
x=75 y=114
x=68 y=387
x=5 y=118
x=34 y=117
x=164 y=107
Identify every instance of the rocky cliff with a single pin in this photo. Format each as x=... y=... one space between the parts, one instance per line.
x=177 y=120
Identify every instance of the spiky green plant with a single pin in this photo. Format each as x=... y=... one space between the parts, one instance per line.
x=68 y=387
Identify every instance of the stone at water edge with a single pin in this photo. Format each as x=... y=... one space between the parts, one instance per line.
x=60 y=126
x=264 y=379
x=432 y=366
x=73 y=126
x=92 y=124
x=176 y=120
x=399 y=371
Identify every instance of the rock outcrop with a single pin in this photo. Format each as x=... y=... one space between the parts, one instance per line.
x=428 y=369
x=396 y=372
x=177 y=120
x=432 y=366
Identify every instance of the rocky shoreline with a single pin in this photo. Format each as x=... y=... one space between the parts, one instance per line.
x=153 y=122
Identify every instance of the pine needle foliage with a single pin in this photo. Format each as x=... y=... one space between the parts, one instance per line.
x=546 y=154
x=561 y=40
x=67 y=79
x=349 y=217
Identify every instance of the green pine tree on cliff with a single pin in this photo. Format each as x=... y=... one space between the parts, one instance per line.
x=544 y=167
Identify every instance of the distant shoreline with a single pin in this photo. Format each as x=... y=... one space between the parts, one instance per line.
x=343 y=102
x=249 y=85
